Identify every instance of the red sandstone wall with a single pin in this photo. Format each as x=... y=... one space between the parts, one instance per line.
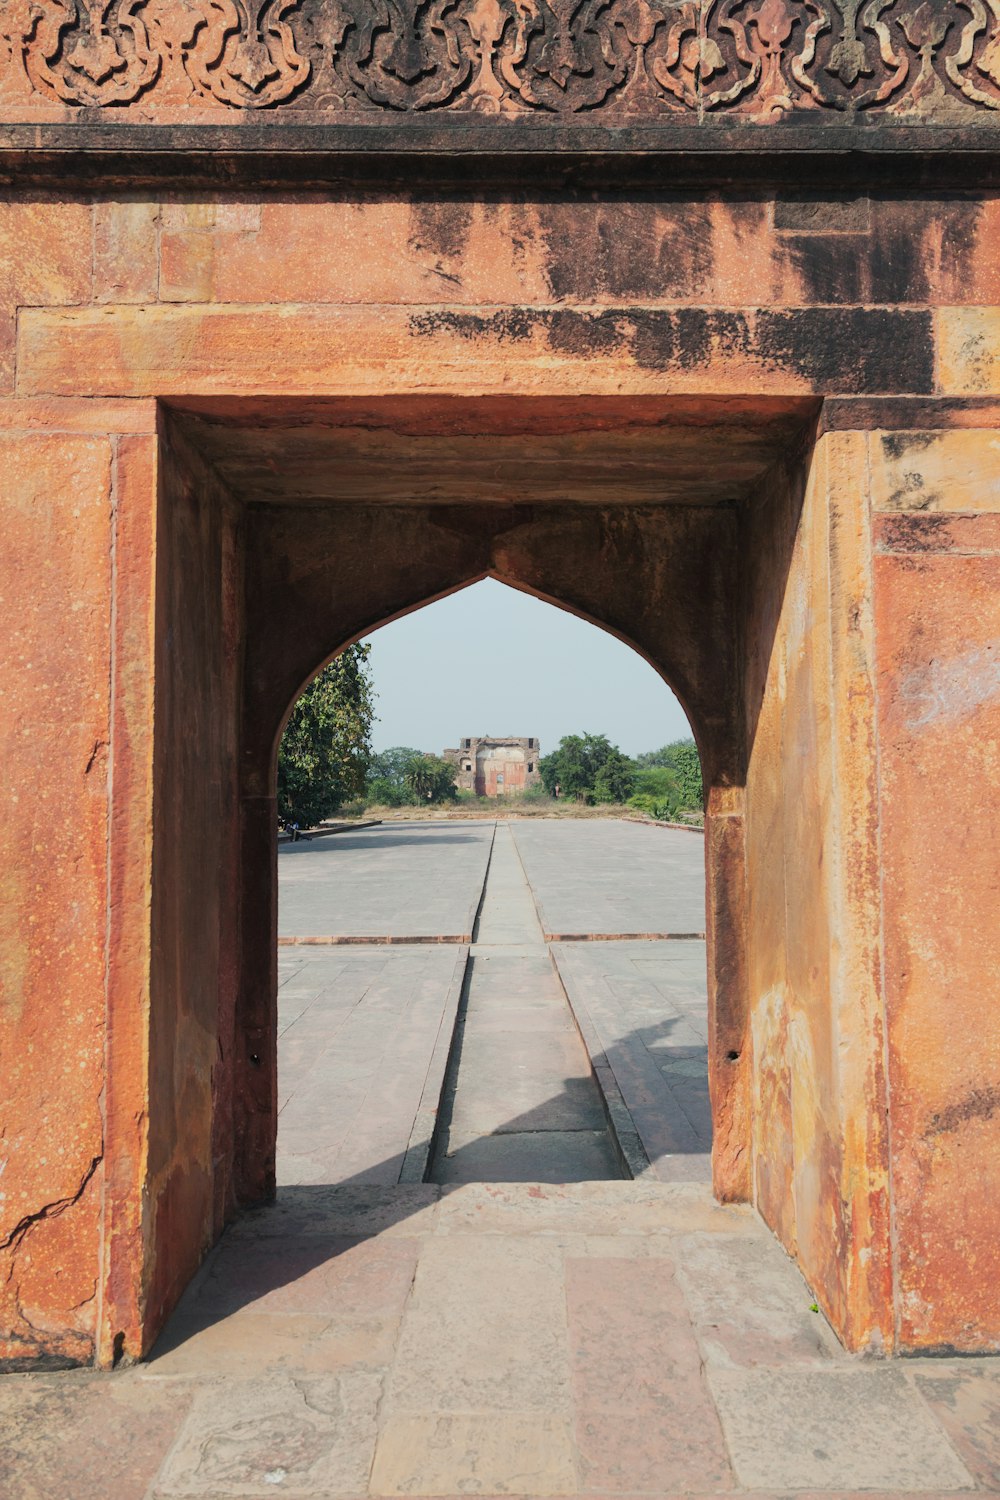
x=120 y=302
x=937 y=599
x=77 y=490
x=821 y=1177
x=195 y=869
x=54 y=734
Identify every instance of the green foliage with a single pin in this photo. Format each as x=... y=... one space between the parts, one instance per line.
x=664 y=783
x=657 y=781
x=615 y=779
x=679 y=759
x=390 y=766
x=325 y=749
x=588 y=768
x=404 y=777
x=387 y=785
x=656 y=792
x=656 y=807
x=381 y=792
x=431 y=779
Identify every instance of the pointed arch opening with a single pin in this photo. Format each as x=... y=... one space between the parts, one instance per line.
x=484 y=851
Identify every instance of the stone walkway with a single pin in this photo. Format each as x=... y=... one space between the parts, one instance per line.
x=613 y=878
x=371 y=1335
x=522 y=1104
x=642 y=1010
x=365 y=1025
x=609 y=1338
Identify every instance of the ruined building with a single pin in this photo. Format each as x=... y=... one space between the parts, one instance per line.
x=496 y=767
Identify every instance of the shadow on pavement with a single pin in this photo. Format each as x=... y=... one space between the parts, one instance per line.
x=308 y=1225
x=384 y=841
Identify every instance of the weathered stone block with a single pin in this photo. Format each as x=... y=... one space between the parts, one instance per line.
x=968 y=340
x=936 y=471
x=126 y=250
x=939 y=704
x=55 y=732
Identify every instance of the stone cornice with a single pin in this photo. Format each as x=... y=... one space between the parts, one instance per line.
x=596 y=92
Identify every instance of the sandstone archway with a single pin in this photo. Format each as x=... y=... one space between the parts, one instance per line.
x=701 y=566
x=778 y=507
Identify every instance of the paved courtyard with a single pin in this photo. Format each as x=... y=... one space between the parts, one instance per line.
x=459 y=1290
x=613 y=878
x=397 y=881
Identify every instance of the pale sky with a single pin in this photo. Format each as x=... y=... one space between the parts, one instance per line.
x=490 y=660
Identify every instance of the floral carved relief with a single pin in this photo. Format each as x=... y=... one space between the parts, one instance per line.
x=86 y=52
x=689 y=60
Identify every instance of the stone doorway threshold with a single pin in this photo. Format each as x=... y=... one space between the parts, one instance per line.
x=611 y=1338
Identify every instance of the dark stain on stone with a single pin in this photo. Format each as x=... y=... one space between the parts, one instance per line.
x=510 y=325
x=442 y=228
x=688 y=337
x=819 y=215
x=627 y=249
x=904 y=248
x=896 y=445
x=892 y=262
x=911 y=495
x=853 y=350
x=849 y=351
x=979 y=1104
x=898 y=259
x=960 y=221
x=580 y=333
x=914 y=533
x=833 y=268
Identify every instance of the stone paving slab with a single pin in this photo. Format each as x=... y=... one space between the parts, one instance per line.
x=965 y=1397
x=524 y=1081
x=394 y=881
x=642 y=1010
x=82 y=1435
x=621 y=1209
x=850 y=1428
x=363 y=1044
x=500 y=1339
x=300 y=1436
x=610 y=877
x=522 y=1103
x=564 y=1156
x=769 y=1322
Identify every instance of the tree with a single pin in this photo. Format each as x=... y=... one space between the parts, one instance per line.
x=575 y=766
x=431 y=779
x=325 y=749
x=680 y=758
x=656 y=792
x=387 y=784
x=615 y=780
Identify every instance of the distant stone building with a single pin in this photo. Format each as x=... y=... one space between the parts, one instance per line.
x=496 y=767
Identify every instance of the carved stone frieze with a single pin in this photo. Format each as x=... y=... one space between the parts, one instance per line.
x=696 y=60
x=84 y=52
